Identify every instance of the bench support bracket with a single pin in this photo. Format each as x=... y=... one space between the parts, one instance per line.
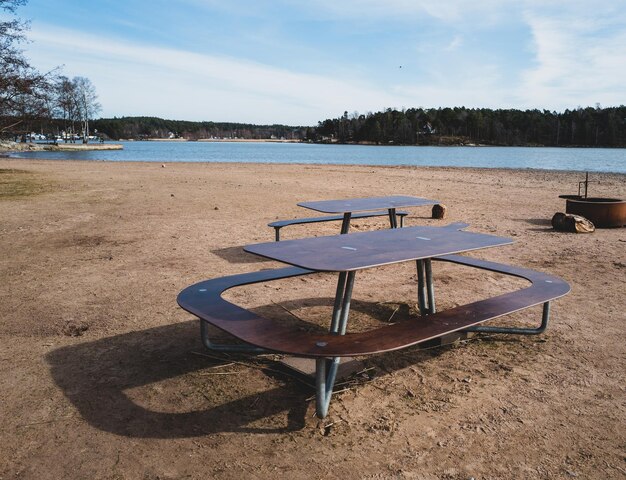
x=545 y=317
x=226 y=348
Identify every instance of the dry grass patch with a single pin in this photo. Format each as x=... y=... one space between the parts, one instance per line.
x=21 y=183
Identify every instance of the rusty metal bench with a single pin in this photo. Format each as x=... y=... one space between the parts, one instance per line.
x=278 y=224
x=262 y=334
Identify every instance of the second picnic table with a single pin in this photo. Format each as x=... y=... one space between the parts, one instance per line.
x=346 y=209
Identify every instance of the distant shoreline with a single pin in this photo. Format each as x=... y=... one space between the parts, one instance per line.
x=362 y=143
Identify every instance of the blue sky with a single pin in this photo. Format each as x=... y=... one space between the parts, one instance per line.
x=297 y=62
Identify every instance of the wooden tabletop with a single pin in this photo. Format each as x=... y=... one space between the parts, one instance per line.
x=341 y=253
x=366 y=204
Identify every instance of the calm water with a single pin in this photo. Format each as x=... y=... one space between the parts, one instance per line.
x=582 y=159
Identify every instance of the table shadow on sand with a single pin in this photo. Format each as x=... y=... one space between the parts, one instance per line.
x=96 y=377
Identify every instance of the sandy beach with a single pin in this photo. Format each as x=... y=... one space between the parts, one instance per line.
x=103 y=376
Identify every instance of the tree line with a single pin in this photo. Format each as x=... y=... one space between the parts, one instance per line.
x=141 y=128
x=588 y=127
x=32 y=101
x=582 y=127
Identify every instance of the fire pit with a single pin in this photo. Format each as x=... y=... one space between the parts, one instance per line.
x=602 y=212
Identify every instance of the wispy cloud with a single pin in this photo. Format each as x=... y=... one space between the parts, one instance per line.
x=301 y=62
x=456 y=42
x=195 y=86
x=580 y=59
x=447 y=11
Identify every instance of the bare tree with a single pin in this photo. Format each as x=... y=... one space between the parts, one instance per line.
x=66 y=106
x=11 y=31
x=24 y=92
x=86 y=103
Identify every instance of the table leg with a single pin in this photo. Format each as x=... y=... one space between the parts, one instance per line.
x=341 y=286
x=421 y=295
x=425 y=287
x=345 y=304
x=393 y=220
x=326 y=368
x=345 y=224
x=341 y=307
x=325 y=374
x=429 y=286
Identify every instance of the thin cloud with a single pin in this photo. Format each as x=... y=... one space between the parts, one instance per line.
x=446 y=11
x=456 y=42
x=579 y=61
x=196 y=86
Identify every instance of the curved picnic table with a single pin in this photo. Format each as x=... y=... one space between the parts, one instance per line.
x=263 y=334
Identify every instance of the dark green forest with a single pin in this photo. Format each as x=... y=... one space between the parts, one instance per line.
x=582 y=127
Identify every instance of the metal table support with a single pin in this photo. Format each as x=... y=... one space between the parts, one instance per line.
x=393 y=220
x=345 y=224
x=341 y=308
x=425 y=287
x=326 y=368
x=325 y=375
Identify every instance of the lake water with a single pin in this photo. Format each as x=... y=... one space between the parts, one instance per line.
x=581 y=159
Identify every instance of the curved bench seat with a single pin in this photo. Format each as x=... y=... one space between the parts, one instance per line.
x=205 y=301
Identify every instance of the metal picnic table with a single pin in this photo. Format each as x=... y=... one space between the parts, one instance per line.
x=347 y=254
x=352 y=205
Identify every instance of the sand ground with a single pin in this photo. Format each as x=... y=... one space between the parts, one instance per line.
x=102 y=375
